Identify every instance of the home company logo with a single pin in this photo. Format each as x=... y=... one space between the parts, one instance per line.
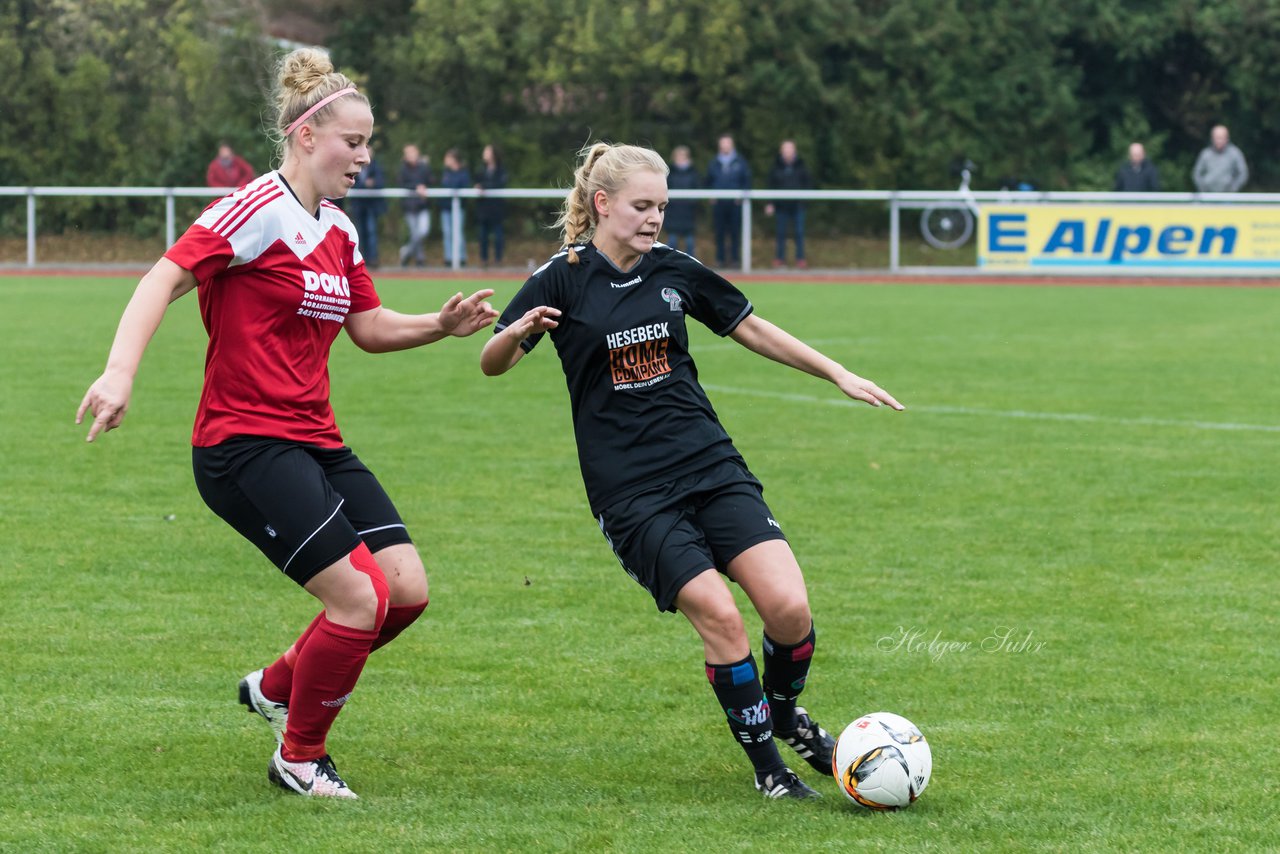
x=638 y=356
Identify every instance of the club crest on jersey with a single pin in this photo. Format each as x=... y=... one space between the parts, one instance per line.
x=673 y=298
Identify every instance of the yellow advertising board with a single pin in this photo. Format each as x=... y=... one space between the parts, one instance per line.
x=1151 y=239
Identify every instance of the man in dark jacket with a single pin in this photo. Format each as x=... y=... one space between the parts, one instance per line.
x=491 y=210
x=789 y=173
x=455 y=176
x=415 y=176
x=728 y=171
x=367 y=210
x=681 y=215
x=1138 y=174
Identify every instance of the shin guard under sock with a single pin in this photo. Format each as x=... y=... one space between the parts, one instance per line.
x=786 y=667
x=324 y=676
x=737 y=687
x=328 y=666
x=277 y=679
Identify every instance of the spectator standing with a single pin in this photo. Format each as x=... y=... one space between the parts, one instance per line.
x=1137 y=174
x=367 y=210
x=228 y=169
x=789 y=173
x=728 y=171
x=681 y=218
x=492 y=212
x=1221 y=167
x=415 y=176
x=454 y=177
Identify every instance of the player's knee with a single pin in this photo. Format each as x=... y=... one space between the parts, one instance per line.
x=788 y=619
x=723 y=625
x=406 y=576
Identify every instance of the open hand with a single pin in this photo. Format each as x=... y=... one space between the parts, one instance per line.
x=534 y=321
x=463 y=317
x=865 y=390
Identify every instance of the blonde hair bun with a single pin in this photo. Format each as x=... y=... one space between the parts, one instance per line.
x=303 y=70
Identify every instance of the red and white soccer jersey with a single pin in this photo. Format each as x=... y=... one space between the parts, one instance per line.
x=275 y=286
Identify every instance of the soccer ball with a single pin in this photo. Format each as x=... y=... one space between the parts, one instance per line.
x=882 y=761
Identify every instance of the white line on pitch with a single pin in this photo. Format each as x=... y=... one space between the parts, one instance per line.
x=1080 y=417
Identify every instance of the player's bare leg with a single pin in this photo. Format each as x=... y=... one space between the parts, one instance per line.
x=771 y=577
x=709 y=606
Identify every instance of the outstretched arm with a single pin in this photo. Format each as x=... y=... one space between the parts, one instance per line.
x=381 y=330
x=503 y=350
x=760 y=336
x=108 y=398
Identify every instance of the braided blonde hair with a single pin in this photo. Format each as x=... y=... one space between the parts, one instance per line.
x=304 y=78
x=603 y=167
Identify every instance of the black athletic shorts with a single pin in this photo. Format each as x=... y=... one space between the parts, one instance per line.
x=668 y=534
x=303 y=506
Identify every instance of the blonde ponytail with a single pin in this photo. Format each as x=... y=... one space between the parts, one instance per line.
x=603 y=167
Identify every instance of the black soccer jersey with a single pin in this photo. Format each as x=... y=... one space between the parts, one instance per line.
x=639 y=415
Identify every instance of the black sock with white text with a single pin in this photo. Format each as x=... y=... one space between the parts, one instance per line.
x=738 y=689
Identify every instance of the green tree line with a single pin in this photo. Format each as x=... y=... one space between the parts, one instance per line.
x=877 y=93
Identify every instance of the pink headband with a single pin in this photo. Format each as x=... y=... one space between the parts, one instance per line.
x=316 y=107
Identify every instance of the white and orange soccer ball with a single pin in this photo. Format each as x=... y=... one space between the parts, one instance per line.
x=882 y=761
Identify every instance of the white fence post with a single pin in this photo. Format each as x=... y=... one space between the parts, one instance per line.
x=746 y=232
x=895 y=234
x=455 y=233
x=31 y=226
x=170 y=225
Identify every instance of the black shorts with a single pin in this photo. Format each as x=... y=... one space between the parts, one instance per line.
x=668 y=534
x=303 y=506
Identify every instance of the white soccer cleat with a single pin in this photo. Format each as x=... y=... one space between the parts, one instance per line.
x=275 y=714
x=314 y=778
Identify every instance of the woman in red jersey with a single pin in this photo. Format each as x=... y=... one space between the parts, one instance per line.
x=279 y=273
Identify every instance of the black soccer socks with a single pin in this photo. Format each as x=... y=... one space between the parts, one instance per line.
x=785 y=670
x=738 y=689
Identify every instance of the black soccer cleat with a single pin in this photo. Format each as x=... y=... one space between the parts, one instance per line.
x=814 y=744
x=784 y=784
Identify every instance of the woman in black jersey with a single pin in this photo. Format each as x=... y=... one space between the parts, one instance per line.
x=671 y=493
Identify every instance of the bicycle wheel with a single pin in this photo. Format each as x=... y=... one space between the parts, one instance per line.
x=945 y=226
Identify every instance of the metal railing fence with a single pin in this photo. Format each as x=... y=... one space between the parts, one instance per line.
x=895 y=201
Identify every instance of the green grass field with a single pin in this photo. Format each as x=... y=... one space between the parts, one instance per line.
x=1090 y=473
